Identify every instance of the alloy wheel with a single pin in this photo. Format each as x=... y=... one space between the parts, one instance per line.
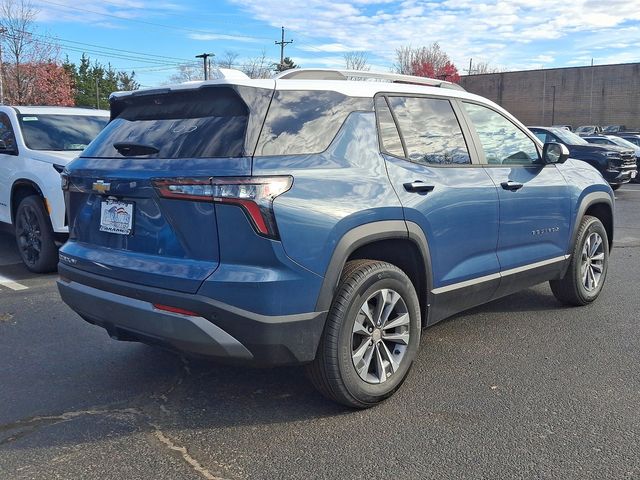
x=592 y=262
x=29 y=235
x=380 y=336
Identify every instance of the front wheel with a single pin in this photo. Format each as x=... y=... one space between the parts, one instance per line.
x=587 y=271
x=34 y=236
x=616 y=187
x=371 y=336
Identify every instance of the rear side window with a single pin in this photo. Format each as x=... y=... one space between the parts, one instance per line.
x=389 y=135
x=6 y=133
x=305 y=122
x=207 y=122
x=431 y=130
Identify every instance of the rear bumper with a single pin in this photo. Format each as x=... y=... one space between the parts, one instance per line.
x=219 y=331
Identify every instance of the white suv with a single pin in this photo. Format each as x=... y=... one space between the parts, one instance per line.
x=35 y=145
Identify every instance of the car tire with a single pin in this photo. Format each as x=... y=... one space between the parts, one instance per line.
x=615 y=187
x=34 y=236
x=587 y=270
x=383 y=343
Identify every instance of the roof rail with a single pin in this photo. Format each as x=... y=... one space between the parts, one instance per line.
x=338 y=74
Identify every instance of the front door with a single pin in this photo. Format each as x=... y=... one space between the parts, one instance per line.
x=8 y=152
x=534 y=200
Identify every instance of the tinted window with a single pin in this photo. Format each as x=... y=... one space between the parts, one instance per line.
x=389 y=136
x=541 y=136
x=431 y=130
x=305 y=122
x=60 y=132
x=208 y=122
x=502 y=141
x=6 y=132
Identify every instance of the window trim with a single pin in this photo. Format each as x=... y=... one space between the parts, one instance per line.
x=466 y=133
x=480 y=148
x=15 y=138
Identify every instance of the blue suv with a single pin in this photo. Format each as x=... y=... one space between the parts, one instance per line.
x=321 y=218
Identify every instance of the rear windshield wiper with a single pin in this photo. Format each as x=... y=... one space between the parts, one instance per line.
x=134 y=149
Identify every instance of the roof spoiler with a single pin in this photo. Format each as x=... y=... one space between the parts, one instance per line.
x=337 y=74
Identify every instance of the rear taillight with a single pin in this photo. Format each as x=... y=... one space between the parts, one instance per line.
x=255 y=195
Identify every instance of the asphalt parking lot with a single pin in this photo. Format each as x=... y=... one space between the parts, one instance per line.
x=519 y=388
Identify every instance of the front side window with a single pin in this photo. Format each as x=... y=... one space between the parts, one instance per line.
x=60 y=132
x=502 y=141
x=303 y=122
x=541 y=136
x=6 y=133
x=431 y=131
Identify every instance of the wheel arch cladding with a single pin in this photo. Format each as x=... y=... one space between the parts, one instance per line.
x=21 y=189
x=390 y=241
x=599 y=205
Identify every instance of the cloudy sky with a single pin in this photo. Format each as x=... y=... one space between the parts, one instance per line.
x=152 y=37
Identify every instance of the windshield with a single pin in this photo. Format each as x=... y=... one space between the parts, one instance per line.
x=585 y=128
x=60 y=132
x=623 y=143
x=612 y=128
x=568 y=137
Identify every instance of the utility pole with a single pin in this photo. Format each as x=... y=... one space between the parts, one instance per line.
x=97 y=94
x=204 y=57
x=470 y=64
x=282 y=44
x=2 y=32
x=553 y=106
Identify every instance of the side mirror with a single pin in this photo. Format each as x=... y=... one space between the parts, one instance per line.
x=554 y=153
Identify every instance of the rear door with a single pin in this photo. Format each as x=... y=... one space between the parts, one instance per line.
x=120 y=226
x=449 y=196
x=534 y=199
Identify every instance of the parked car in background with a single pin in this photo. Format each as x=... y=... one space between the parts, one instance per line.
x=565 y=127
x=616 y=164
x=317 y=219
x=631 y=137
x=588 y=130
x=614 y=128
x=35 y=145
x=621 y=142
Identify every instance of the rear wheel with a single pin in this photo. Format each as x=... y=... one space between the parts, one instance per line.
x=371 y=336
x=587 y=271
x=34 y=236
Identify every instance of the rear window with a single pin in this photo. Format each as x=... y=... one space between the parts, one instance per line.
x=60 y=132
x=204 y=123
x=305 y=122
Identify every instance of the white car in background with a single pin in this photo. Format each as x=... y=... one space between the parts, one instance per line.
x=35 y=145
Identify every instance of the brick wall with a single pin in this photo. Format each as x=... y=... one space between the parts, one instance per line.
x=598 y=95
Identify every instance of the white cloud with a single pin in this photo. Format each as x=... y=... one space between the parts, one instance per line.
x=492 y=30
x=220 y=36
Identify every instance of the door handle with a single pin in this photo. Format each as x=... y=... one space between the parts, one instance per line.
x=418 y=186
x=511 y=185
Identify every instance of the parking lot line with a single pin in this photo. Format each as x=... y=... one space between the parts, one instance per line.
x=7 y=282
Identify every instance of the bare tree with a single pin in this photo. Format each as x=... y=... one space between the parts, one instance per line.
x=258 y=67
x=229 y=59
x=22 y=48
x=408 y=58
x=483 y=67
x=187 y=73
x=357 y=61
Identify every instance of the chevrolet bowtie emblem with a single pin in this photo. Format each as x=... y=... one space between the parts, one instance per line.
x=101 y=187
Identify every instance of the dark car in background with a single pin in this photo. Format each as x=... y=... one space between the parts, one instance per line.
x=616 y=164
x=588 y=130
x=614 y=128
x=620 y=142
